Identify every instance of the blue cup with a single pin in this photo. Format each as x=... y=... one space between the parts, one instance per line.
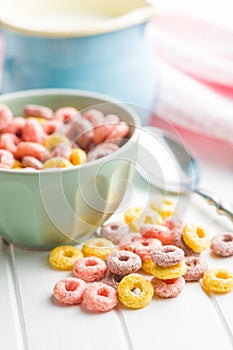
x=98 y=46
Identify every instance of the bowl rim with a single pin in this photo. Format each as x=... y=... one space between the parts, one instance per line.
x=75 y=92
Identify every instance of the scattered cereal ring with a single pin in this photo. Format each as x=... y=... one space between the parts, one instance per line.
x=112 y=280
x=100 y=297
x=163 y=205
x=115 y=231
x=195 y=268
x=167 y=255
x=31 y=149
x=54 y=140
x=57 y=162
x=89 y=269
x=64 y=257
x=144 y=247
x=147 y=266
x=78 y=156
x=31 y=162
x=168 y=288
x=69 y=291
x=159 y=232
x=38 y=111
x=6 y=116
x=169 y=272
x=135 y=291
x=218 y=280
x=122 y=262
x=196 y=237
x=99 y=247
x=177 y=240
x=222 y=244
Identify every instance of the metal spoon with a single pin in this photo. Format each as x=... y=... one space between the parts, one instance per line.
x=165 y=162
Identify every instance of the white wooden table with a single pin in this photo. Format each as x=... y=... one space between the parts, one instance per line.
x=30 y=320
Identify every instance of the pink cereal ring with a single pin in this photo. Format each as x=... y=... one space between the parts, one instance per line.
x=37 y=111
x=168 y=288
x=16 y=126
x=145 y=246
x=222 y=244
x=31 y=162
x=64 y=114
x=100 y=297
x=101 y=132
x=90 y=268
x=119 y=131
x=122 y=262
x=69 y=291
x=31 y=149
x=157 y=231
x=6 y=116
x=9 y=142
x=167 y=255
x=6 y=159
x=51 y=126
x=94 y=116
x=115 y=231
x=33 y=131
x=178 y=241
x=195 y=268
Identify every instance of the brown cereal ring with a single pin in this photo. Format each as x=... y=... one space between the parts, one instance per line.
x=222 y=244
x=195 y=268
x=122 y=262
x=167 y=255
x=38 y=111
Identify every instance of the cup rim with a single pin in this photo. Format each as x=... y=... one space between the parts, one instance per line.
x=136 y=123
x=133 y=17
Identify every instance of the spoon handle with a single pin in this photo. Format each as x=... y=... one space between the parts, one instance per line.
x=222 y=208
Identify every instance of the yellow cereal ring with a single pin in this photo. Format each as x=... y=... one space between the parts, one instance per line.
x=196 y=238
x=99 y=247
x=64 y=257
x=136 y=217
x=135 y=291
x=57 y=162
x=147 y=266
x=163 y=206
x=169 y=272
x=131 y=214
x=17 y=165
x=54 y=140
x=218 y=280
x=78 y=156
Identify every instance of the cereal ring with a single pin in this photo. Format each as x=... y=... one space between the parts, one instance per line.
x=57 y=162
x=6 y=116
x=90 y=269
x=147 y=266
x=54 y=140
x=196 y=237
x=64 y=114
x=177 y=240
x=131 y=214
x=17 y=165
x=168 y=288
x=222 y=244
x=159 y=232
x=9 y=142
x=16 y=126
x=78 y=156
x=6 y=159
x=119 y=131
x=64 y=257
x=172 y=222
x=100 y=151
x=33 y=131
x=62 y=150
x=81 y=132
x=164 y=206
x=115 y=232
x=100 y=132
x=122 y=262
x=94 y=116
x=147 y=216
x=38 y=111
x=99 y=247
x=100 y=297
x=31 y=149
x=31 y=162
x=169 y=272
x=218 y=280
x=168 y=255
x=51 y=126
x=135 y=291
x=69 y=291
x=195 y=268
x=112 y=280
x=144 y=247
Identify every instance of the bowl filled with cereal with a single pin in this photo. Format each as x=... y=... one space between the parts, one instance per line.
x=66 y=157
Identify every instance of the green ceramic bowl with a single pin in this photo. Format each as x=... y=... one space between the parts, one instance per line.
x=40 y=210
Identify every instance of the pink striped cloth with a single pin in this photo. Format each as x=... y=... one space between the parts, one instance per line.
x=195 y=66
